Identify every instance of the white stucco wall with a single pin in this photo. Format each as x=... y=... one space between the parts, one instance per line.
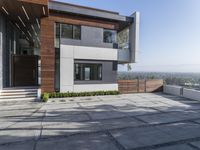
x=66 y=68
x=95 y=53
x=95 y=87
x=67 y=55
x=1 y=53
x=172 y=89
x=134 y=32
x=191 y=94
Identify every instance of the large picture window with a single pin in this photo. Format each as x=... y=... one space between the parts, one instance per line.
x=71 y=31
x=87 y=72
x=110 y=36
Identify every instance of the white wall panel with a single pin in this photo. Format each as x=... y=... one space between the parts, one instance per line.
x=172 y=89
x=94 y=53
x=95 y=87
x=69 y=53
x=66 y=68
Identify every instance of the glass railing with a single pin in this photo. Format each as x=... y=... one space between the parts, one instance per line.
x=124 y=46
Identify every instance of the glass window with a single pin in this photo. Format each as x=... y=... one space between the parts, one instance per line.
x=71 y=31
x=57 y=35
x=57 y=69
x=110 y=36
x=67 y=31
x=77 y=32
x=88 y=72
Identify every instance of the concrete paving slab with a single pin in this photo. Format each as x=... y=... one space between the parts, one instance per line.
x=79 y=142
x=181 y=131
x=119 y=123
x=52 y=106
x=176 y=147
x=140 y=137
x=170 y=117
x=147 y=136
x=69 y=129
x=160 y=118
x=135 y=111
x=18 y=146
x=196 y=144
x=134 y=121
x=10 y=135
x=106 y=114
x=65 y=119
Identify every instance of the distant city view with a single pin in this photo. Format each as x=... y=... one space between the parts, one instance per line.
x=189 y=80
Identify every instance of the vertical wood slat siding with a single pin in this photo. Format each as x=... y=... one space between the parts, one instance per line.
x=140 y=86
x=76 y=20
x=40 y=2
x=47 y=55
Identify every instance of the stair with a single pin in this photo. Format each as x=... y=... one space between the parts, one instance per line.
x=18 y=94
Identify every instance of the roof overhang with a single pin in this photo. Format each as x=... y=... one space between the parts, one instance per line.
x=77 y=10
x=25 y=14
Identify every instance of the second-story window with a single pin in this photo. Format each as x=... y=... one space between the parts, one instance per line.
x=71 y=31
x=109 y=36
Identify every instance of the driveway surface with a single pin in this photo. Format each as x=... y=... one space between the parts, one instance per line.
x=123 y=122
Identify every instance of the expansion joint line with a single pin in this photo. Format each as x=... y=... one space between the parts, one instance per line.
x=117 y=144
x=41 y=129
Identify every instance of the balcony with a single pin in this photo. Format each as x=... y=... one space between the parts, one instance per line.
x=124 y=53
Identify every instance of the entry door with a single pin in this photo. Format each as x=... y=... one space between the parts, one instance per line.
x=25 y=70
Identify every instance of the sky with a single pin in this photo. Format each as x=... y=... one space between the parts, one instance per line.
x=169 y=32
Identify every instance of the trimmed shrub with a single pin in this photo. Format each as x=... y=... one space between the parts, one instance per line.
x=46 y=96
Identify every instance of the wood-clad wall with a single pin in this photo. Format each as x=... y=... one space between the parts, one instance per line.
x=140 y=86
x=40 y=2
x=77 y=20
x=47 y=53
x=47 y=43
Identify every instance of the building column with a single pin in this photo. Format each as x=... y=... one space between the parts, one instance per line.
x=47 y=53
x=134 y=31
x=1 y=52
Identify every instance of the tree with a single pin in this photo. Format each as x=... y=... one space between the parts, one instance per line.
x=129 y=67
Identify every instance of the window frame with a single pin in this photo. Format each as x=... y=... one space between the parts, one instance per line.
x=73 y=31
x=82 y=73
x=113 y=41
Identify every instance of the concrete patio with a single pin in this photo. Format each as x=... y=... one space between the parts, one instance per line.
x=123 y=122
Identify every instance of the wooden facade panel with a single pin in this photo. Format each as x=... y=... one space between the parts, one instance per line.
x=76 y=20
x=47 y=74
x=154 y=85
x=40 y=2
x=47 y=61
x=47 y=89
x=140 y=86
x=47 y=55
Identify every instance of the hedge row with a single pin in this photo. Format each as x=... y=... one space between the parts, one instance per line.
x=46 y=96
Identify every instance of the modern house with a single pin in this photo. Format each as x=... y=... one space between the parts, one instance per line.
x=56 y=46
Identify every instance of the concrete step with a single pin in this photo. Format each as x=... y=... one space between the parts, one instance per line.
x=18 y=90
x=17 y=96
x=17 y=93
x=27 y=99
